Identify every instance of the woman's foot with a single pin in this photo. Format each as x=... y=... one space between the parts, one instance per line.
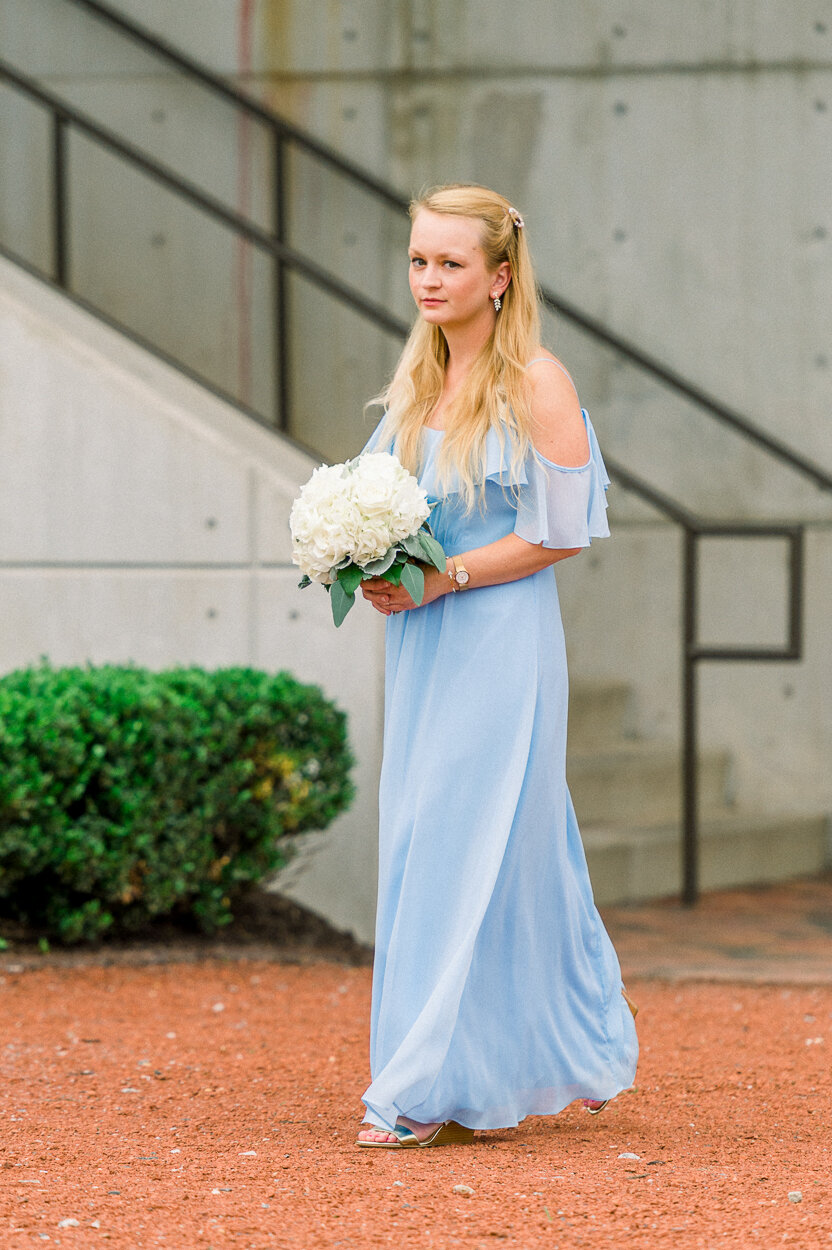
x=594 y=1105
x=373 y=1133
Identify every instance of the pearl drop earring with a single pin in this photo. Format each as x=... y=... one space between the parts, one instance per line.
x=498 y=303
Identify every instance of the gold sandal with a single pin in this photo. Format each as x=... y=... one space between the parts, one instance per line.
x=448 y=1134
x=599 y=1105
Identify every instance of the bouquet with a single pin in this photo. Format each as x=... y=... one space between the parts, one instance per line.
x=365 y=518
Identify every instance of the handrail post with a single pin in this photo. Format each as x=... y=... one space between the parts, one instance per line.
x=282 y=381
x=60 y=233
x=690 y=787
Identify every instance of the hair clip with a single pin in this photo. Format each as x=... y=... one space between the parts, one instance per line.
x=516 y=218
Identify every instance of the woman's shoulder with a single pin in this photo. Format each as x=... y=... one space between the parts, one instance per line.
x=559 y=430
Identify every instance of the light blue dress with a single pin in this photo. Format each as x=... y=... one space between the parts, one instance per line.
x=496 y=989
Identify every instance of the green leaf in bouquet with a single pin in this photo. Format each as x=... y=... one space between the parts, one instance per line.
x=434 y=551
x=394 y=574
x=413 y=546
x=413 y=580
x=350 y=578
x=304 y=582
x=340 y=602
x=376 y=567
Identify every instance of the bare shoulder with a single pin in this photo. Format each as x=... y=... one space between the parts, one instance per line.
x=559 y=430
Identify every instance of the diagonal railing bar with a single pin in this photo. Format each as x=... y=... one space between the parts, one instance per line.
x=642 y=360
x=676 y=382
x=66 y=114
x=220 y=87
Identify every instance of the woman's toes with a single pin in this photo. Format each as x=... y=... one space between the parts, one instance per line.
x=376 y=1134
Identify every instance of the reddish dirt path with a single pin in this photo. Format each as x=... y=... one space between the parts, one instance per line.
x=215 y=1105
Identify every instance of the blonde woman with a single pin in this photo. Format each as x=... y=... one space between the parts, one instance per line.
x=496 y=990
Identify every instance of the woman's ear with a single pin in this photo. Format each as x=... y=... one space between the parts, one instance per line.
x=501 y=278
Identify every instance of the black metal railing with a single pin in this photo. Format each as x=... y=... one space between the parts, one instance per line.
x=65 y=118
x=285 y=259
x=285 y=133
x=693 y=529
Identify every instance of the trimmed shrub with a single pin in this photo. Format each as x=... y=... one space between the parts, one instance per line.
x=127 y=795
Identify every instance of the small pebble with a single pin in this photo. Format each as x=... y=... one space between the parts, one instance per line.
x=465 y=1190
x=399 y=1184
x=628 y=1155
x=795 y=1195
x=252 y=1154
x=218 y=1007
x=68 y=1224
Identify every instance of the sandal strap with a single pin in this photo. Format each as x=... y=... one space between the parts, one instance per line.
x=405 y=1136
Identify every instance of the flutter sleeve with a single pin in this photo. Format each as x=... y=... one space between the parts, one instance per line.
x=560 y=507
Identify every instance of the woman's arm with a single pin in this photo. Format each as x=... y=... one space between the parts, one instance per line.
x=506 y=560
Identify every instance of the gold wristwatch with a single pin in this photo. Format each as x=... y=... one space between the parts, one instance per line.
x=458 y=574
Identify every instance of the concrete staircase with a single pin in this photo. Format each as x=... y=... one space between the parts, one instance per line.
x=627 y=796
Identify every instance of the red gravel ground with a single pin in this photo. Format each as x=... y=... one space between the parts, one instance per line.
x=215 y=1105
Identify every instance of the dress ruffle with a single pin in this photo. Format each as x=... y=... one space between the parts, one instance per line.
x=557 y=506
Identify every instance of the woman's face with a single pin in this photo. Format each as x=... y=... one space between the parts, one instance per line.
x=449 y=279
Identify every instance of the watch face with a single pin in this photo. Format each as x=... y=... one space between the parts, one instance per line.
x=462 y=577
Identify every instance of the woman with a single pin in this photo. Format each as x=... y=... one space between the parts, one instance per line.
x=496 y=990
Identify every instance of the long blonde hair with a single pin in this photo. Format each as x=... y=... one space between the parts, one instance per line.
x=495 y=394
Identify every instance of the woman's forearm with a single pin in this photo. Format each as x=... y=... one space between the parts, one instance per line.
x=507 y=560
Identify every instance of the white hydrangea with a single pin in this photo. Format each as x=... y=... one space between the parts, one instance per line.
x=323 y=522
x=354 y=511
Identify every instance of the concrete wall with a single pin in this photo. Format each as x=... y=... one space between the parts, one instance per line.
x=672 y=163
x=143 y=520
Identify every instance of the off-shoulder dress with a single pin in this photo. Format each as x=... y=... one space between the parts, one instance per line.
x=496 y=988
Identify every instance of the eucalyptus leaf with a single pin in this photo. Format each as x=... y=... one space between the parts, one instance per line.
x=350 y=578
x=434 y=551
x=340 y=601
x=376 y=567
x=304 y=582
x=394 y=574
x=413 y=580
x=413 y=546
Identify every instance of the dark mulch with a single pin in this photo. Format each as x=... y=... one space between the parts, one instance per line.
x=265 y=926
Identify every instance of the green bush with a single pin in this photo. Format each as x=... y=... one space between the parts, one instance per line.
x=127 y=795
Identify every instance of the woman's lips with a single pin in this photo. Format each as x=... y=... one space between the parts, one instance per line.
x=431 y=302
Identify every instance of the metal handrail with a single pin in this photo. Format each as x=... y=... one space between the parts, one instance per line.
x=565 y=308
x=693 y=527
x=220 y=87
x=65 y=114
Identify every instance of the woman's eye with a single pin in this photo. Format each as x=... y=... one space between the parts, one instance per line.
x=416 y=262
x=452 y=264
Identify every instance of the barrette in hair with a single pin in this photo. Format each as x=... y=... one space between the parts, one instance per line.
x=516 y=218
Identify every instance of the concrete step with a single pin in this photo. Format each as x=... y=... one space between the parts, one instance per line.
x=639 y=782
x=736 y=848
x=600 y=712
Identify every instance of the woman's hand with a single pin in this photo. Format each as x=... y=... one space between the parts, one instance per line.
x=388 y=599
